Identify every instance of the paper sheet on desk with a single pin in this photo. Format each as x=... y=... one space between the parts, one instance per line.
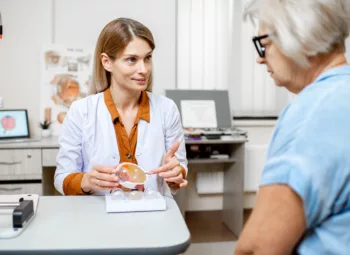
x=143 y=205
x=198 y=114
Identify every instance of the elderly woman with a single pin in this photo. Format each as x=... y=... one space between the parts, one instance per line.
x=303 y=204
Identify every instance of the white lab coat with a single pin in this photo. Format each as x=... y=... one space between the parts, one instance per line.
x=88 y=138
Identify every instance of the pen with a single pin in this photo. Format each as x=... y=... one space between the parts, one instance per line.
x=0 y=27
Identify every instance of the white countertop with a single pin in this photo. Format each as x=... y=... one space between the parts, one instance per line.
x=51 y=142
x=80 y=225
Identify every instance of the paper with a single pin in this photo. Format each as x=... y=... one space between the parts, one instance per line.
x=210 y=182
x=156 y=203
x=66 y=76
x=198 y=114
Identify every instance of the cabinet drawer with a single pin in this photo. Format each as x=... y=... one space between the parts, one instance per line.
x=20 y=164
x=49 y=157
x=21 y=188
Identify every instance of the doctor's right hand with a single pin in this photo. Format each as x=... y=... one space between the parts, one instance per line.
x=100 y=178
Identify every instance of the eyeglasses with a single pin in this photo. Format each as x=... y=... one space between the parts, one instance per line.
x=258 y=45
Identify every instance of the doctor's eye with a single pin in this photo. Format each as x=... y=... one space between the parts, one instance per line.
x=131 y=60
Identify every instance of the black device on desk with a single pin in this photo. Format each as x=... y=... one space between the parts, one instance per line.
x=17 y=212
x=201 y=151
x=219 y=132
x=22 y=213
x=212 y=136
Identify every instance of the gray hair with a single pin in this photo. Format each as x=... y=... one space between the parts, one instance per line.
x=304 y=28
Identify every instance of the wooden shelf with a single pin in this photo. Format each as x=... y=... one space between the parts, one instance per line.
x=211 y=161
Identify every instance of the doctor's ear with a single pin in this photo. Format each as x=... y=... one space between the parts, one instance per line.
x=106 y=62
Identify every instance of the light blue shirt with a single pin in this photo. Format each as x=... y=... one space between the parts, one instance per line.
x=310 y=152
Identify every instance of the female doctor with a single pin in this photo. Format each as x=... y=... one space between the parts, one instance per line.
x=121 y=121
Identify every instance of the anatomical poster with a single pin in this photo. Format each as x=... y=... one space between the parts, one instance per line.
x=66 y=75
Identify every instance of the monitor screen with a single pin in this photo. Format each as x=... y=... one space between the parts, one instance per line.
x=202 y=108
x=13 y=124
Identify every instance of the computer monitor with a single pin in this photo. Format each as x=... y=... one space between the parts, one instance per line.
x=217 y=98
x=14 y=124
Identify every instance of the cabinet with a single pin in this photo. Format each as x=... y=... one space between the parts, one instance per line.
x=21 y=188
x=21 y=168
x=20 y=164
x=233 y=196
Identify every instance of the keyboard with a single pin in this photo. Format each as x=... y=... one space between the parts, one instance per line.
x=24 y=140
x=215 y=132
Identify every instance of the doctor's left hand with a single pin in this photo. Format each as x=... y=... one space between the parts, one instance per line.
x=172 y=171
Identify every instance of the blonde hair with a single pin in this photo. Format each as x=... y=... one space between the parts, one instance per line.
x=113 y=39
x=304 y=28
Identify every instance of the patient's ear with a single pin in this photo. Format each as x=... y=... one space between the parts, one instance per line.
x=106 y=62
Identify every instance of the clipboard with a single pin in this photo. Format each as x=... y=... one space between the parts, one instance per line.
x=16 y=213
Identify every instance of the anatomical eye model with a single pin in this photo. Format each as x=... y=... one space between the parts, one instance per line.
x=66 y=89
x=131 y=176
x=8 y=123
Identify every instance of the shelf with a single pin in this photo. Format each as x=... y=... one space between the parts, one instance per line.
x=211 y=161
x=239 y=139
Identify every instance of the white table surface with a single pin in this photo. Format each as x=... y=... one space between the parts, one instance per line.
x=80 y=225
x=43 y=143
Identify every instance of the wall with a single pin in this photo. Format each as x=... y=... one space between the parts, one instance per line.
x=28 y=25
x=79 y=22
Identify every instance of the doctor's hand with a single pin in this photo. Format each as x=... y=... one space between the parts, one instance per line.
x=173 y=173
x=100 y=178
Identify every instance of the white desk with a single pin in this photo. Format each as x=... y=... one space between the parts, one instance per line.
x=80 y=225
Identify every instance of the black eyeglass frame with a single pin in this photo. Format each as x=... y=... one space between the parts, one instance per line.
x=257 y=43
